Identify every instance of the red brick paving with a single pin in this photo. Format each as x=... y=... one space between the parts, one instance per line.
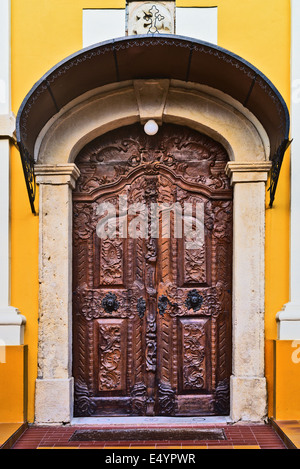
x=262 y=436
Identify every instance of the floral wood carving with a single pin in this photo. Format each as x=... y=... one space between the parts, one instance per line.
x=110 y=357
x=193 y=356
x=181 y=155
x=111 y=267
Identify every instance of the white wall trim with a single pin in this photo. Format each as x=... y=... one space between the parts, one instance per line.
x=4 y=224
x=103 y=24
x=100 y=25
x=198 y=22
x=11 y=322
x=289 y=318
x=5 y=36
x=4 y=151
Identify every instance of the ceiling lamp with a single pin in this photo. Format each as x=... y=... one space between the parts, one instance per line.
x=151 y=127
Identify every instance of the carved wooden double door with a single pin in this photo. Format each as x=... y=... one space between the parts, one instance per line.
x=152 y=254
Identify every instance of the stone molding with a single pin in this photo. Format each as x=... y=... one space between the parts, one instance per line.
x=150 y=107
x=57 y=174
x=288 y=322
x=248 y=172
x=8 y=126
x=201 y=108
x=12 y=324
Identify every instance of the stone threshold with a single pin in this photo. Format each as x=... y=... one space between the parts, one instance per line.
x=150 y=421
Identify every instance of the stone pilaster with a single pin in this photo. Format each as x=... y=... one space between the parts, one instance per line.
x=55 y=295
x=248 y=383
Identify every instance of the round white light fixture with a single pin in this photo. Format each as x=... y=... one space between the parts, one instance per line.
x=151 y=127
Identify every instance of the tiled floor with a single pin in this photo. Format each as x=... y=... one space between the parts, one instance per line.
x=238 y=437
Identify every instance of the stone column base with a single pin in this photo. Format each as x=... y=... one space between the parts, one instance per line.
x=248 y=398
x=54 y=401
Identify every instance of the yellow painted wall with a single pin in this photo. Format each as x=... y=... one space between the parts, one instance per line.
x=286 y=402
x=45 y=32
x=13 y=379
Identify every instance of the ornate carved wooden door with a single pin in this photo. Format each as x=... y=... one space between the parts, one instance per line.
x=152 y=296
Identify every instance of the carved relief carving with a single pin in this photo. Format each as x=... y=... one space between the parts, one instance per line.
x=84 y=221
x=138 y=399
x=193 y=356
x=141 y=307
x=187 y=156
x=166 y=400
x=211 y=301
x=195 y=265
x=111 y=262
x=110 y=303
x=163 y=303
x=194 y=300
x=151 y=344
x=84 y=406
x=90 y=304
x=151 y=18
x=222 y=402
x=110 y=357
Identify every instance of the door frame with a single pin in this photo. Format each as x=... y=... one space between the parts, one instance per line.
x=112 y=106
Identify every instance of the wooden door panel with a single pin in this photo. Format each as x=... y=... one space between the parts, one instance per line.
x=152 y=315
x=187 y=405
x=194 y=352
x=110 y=258
x=110 y=355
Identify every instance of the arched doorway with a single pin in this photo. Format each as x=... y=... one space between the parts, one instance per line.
x=152 y=297
x=176 y=81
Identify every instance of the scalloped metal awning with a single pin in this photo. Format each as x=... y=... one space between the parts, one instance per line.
x=146 y=57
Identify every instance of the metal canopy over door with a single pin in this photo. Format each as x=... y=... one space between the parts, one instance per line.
x=151 y=301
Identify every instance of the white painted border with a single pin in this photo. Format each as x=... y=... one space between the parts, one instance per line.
x=104 y=24
x=100 y=25
x=199 y=23
x=5 y=103
x=4 y=151
x=289 y=317
x=11 y=322
x=4 y=224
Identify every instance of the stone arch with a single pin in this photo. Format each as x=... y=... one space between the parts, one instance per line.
x=201 y=108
